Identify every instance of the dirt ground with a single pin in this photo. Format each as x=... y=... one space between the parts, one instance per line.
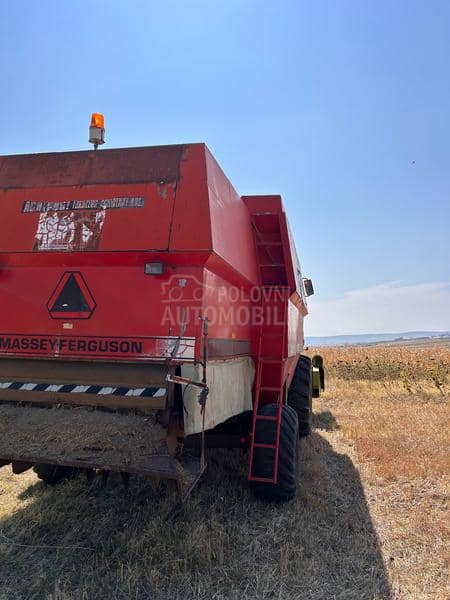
x=369 y=522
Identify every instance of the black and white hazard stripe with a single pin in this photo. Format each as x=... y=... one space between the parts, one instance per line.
x=82 y=389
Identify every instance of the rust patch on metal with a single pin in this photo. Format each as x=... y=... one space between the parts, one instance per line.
x=119 y=165
x=94 y=400
x=162 y=190
x=94 y=373
x=223 y=348
x=83 y=373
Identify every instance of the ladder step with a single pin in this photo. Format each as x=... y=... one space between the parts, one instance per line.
x=270 y=446
x=272 y=361
x=268 y=388
x=281 y=287
x=262 y=479
x=266 y=418
x=263 y=265
x=274 y=336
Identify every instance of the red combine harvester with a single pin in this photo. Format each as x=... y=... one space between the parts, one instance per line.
x=148 y=311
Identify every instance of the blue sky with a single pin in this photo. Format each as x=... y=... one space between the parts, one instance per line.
x=342 y=107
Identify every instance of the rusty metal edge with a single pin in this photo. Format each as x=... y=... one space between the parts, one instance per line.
x=170 y=472
x=92 y=400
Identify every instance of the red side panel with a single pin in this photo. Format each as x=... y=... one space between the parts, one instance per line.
x=230 y=313
x=191 y=223
x=86 y=218
x=230 y=222
x=88 y=201
x=210 y=215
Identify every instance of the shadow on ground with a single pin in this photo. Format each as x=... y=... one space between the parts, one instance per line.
x=79 y=540
x=325 y=420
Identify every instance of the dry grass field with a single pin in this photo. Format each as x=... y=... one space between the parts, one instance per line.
x=370 y=520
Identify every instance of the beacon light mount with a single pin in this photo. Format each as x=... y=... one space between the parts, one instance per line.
x=97 y=130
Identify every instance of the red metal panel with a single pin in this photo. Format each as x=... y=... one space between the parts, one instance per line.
x=231 y=228
x=103 y=215
x=37 y=227
x=135 y=315
x=191 y=226
x=230 y=311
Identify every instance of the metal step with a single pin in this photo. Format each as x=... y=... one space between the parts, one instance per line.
x=270 y=446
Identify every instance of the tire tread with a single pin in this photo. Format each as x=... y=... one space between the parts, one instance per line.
x=263 y=458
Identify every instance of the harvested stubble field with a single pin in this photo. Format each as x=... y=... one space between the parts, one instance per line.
x=370 y=520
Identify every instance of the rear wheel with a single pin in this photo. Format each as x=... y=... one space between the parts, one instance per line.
x=52 y=474
x=263 y=458
x=300 y=395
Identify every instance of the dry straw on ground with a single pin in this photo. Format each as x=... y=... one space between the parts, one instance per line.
x=79 y=434
x=369 y=521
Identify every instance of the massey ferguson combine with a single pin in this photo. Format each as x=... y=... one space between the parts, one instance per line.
x=148 y=312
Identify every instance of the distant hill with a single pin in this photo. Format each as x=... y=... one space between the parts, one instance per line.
x=371 y=338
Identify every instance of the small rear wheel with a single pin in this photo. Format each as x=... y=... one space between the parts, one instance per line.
x=53 y=474
x=263 y=458
x=300 y=395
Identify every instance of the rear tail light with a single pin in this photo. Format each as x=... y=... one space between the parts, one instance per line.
x=154 y=268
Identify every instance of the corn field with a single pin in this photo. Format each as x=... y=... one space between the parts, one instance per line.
x=416 y=369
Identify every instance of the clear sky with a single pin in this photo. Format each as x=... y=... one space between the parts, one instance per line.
x=343 y=107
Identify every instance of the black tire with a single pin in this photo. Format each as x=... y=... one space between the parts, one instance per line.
x=263 y=458
x=300 y=395
x=53 y=474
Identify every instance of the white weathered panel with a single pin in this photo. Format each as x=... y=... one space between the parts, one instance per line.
x=230 y=392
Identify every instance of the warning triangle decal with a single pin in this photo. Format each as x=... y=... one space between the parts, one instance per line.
x=71 y=298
